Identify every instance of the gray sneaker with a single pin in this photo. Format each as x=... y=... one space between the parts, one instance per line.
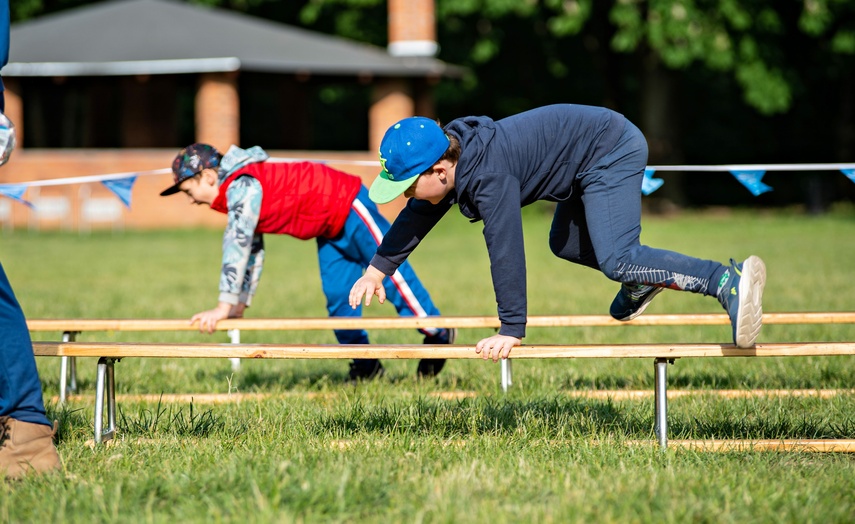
x=741 y=294
x=632 y=300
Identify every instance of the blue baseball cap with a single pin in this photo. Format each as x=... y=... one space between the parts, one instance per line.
x=409 y=148
x=189 y=162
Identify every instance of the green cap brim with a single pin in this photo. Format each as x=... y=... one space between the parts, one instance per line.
x=384 y=190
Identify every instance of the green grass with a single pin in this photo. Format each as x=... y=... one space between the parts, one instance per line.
x=389 y=451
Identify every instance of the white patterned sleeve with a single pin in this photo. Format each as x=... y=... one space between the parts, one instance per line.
x=240 y=262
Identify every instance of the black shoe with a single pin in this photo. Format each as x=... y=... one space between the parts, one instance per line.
x=632 y=300
x=430 y=367
x=365 y=369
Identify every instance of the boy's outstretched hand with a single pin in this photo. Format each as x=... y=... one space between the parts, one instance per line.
x=208 y=319
x=497 y=346
x=369 y=285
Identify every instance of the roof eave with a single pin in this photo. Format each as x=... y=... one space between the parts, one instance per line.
x=131 y=67
x=225 y=64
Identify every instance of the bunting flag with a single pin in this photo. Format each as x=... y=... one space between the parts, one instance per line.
x=850 y=174
x=121 y=187
x=15 y=192
x=752 y=180
x=650 y=184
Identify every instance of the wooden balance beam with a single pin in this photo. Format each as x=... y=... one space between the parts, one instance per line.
x=297 y=324
x=662 y=355
x=72 y=327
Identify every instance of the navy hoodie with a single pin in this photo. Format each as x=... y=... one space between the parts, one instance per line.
x=503 y=166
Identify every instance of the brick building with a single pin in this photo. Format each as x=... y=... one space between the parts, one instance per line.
x=120 y=86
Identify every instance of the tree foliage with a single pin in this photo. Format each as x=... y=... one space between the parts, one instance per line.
x=744 y=39
x=711 y=81
x=740 y=38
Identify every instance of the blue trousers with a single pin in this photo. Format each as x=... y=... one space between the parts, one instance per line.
x=600 y=226
x=344 y=258
x=20 y=387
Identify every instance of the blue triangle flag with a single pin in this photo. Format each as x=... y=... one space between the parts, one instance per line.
x=15 y=192
x=752 y=181
x=850 y=174
x=121 y=187
x=650 y=184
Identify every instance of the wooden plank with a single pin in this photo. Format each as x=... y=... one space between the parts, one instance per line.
x=632 y=394
x=319 y=351
x=613 y=394
x=803 y=446
x=788 y=445
x=235 y=398
x=795 y=446
x=293 y=324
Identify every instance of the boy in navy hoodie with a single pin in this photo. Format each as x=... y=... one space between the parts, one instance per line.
x=306 y=200
x=590 y=161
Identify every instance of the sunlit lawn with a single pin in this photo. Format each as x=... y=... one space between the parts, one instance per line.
x=314 y=448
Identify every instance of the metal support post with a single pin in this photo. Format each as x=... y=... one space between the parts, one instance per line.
x=72 y=371
x=234 y=335
x=105 y=387
x=67 y=364
x=660 y=366
x=507 y=374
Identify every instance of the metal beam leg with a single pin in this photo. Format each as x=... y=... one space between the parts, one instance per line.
x=67 y=364
x=72 y=369
x=105 y=391
x=63 y=376
x=507 y=374
x=660 y=366
x=234 y=335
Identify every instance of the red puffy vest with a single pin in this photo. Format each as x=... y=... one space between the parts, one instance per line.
x=302 y=199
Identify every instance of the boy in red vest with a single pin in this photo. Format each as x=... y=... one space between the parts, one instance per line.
x=305 y=200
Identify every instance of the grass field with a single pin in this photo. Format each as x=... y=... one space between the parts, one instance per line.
x=315 y=449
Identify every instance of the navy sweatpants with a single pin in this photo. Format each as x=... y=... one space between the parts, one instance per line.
x=20 y=387
x=343 y=259
x=600 y=226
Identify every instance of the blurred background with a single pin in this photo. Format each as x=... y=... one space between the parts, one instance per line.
x=121 y=85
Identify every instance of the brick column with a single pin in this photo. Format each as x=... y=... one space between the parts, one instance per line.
x=218 y=110
x=15 y=108
x=392 y=100
x=412 y=28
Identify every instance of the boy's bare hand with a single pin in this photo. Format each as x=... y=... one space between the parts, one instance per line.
x=237 y=310
x=369 y=285
x=497 y=346
x=208 y=319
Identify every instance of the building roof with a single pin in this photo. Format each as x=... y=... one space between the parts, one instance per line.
x=133 y=37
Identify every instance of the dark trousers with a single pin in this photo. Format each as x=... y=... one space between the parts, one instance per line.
x=343 y=259
x=600 y=226
x=20 y=387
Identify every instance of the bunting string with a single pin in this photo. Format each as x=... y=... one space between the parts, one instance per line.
x=749 y=175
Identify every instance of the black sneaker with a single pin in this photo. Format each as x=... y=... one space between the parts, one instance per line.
x=632 y=300
x=430 y=367
x=365 y=369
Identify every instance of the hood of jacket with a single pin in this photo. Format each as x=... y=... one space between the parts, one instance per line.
x=236 y=158
x=474 y=134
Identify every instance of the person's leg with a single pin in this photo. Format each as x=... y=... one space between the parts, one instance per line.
x=20 y=387
x=338 y=273
x=569 y=239
x=26 y=435
x=611 y=194
x=568 y=236
x=362 y=233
